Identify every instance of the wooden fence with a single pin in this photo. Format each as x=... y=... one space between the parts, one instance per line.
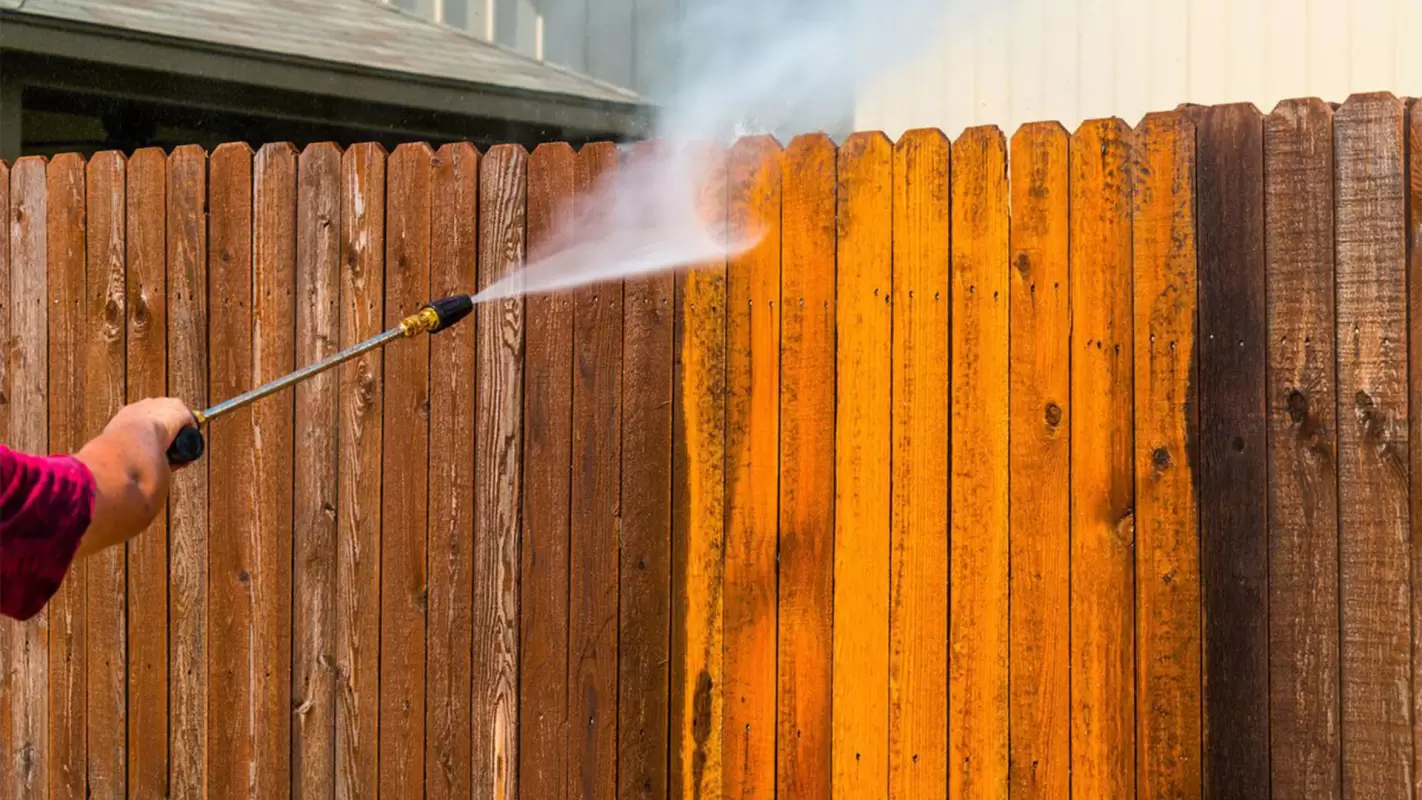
x=1110 y=492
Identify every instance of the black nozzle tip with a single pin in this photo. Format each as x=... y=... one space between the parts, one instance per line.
x=451 y=310
x=186 y=448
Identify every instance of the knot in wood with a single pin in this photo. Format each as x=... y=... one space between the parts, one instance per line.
x=1160 y=459
x=1023 y=264
x=1053 y=414
x=1297 y=404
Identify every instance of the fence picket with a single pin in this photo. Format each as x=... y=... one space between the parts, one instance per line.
x=454 y=269
x=978 y=636
x=1040 y=472
x=1303 y=479
x=1374 y=557
x=807 y=335
x=1102 y=475
x=498 y=473
x=317 y=286
x=359 y=446
x=645 y=568
x=188 y=504
x=752 y=464
x=102 y=361
x=404 y=511
x=1414 y=245
x=66 y=224
x=232 y=497
x=597 y=458
x=862 y=457
x=1167 y=531
x=548 y=414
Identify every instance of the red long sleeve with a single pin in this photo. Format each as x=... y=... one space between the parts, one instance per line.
x=46 y=504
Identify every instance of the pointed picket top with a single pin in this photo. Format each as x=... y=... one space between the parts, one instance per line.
x=553 y=150
x=1104 y=126
x=921 y=137
x=1297 y=107
x=809 y=141
x=1043 y=130
x=233 y=149
x=316 y=149
x=1163 y=120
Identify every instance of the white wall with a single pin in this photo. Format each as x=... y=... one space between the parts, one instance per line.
x=1070 y=60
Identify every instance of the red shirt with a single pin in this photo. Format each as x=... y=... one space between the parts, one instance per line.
x=45 y=507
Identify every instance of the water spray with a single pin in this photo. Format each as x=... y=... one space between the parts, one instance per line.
x=433 y=317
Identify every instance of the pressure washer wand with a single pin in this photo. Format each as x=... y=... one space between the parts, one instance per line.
x=432 y=318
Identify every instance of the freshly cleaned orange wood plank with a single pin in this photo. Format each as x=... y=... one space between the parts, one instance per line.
x=807 y=334
x=102 y=360
x=1168 y=534
x=978 y=681
x=918 y=611
x=752 y=467
x=404 y=509
x=1103 y=714
x=698 y=522
x=862 y=451
x=147 y=376
x=360 y=443
x=1039 y=702
x=68 y=629
x=449 y=642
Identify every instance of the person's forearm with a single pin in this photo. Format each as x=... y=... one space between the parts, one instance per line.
x=127 y=484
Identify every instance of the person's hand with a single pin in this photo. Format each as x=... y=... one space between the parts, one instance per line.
x=129 y=462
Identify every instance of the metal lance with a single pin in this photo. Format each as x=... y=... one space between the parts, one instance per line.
x=432 y=318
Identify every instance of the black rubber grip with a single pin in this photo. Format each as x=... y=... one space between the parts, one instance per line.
x=187 y=448
x=451 y=309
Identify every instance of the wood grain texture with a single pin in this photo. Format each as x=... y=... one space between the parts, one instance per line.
x=67 y=226
x=359 y=444
x=645 y=564
x=595 y=512
x=807 y=368
x=918 y=605
x=978 y=634
x=862 y=453
x=1232 y=461
x=1373 y=480
x=454 y=268
x=1039 y=701
x=1102 y=452
x=102 y=360
x=273 y=355
x=232 y=618
x=498 y=476
x=146 y=305
x=188 y=498
x=315 y=466
x=698 y=495
x=24 y=705
x=752 y=468
x=547 y=487
x=404 y=513
x=1167 y=530
x=1414 y=253
x=1304 y=731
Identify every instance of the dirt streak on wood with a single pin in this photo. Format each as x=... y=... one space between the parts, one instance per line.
x=454 y=261
x=548 y=412
x=978 y=634
x=1373 y=471
x=498 y=477
x=359 y=446
x=807 y=334
x=315 y=464
x=862 y=452
x=103 y=365
x=1304 y=730
x=1040 y=471
x=188 y=498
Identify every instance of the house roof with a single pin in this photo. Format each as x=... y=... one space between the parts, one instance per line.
x=359 y=35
